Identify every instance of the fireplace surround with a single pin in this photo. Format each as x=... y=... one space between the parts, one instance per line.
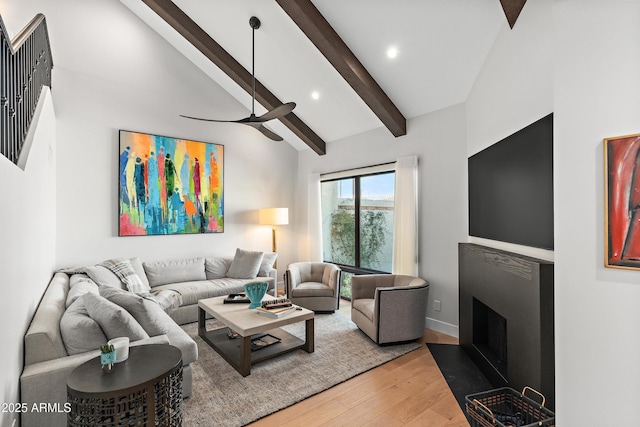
x=506 y=317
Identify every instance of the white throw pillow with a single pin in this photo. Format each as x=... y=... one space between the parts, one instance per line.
x=216 y=268
x=267 y=263
x=245 y=264
x=80 y=333
x=80 y=284
x=105 y=277
x=114 y=320
x=139 y=269
x=143 y=310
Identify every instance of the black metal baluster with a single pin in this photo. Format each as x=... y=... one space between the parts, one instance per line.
x=25 y=68
x=3 y=96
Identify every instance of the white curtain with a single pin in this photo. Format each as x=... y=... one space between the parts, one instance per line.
x=314 y=215
x=405 y=224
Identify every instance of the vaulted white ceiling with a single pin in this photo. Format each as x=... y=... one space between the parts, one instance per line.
x=441 y=47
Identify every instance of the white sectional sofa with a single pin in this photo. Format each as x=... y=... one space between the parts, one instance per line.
x=62 y=334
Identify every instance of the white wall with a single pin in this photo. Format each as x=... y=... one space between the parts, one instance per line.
x=580 y=60
x=596 y=87
x=513 y=90
x=438 y=139
x=27 y=248
x=112 y=73
x=515 y=86
x=116 y=73
x=141 y=83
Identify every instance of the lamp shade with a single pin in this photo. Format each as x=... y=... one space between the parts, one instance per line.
x=274 y=216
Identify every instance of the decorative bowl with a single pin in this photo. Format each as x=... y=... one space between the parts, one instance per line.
x=255 y=291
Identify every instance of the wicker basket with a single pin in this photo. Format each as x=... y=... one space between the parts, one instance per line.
x=505 y=407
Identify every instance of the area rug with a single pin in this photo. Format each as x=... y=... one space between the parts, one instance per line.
x=460 y=372
x=223 y=398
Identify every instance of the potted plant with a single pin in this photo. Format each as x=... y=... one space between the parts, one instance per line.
x=107 y=356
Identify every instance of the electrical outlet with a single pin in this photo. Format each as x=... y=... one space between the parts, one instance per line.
x=436 y=305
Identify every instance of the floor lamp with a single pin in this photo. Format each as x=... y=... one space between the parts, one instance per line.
x=273 y=217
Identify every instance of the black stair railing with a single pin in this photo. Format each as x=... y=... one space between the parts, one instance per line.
x=25 y=67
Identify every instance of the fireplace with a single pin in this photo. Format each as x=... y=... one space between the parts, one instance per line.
x=490 y=337
x=506 y=317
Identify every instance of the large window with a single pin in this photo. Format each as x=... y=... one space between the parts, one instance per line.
x=357 y=222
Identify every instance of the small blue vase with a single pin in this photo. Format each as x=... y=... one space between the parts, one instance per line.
x=255 y=292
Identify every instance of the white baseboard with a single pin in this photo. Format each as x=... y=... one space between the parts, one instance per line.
x=442 y=327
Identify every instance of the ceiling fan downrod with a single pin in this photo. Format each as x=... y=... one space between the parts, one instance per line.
x=255 y=23
x=256 y=122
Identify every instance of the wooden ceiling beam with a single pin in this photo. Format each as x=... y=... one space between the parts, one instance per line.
x=329 y=43
x=193 y=33
x=512 y=9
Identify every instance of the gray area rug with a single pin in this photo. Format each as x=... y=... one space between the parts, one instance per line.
x=222 y=397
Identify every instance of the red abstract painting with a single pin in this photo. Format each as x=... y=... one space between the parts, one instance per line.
x=622 y=199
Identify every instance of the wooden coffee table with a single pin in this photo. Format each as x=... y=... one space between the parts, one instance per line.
x=250 y=325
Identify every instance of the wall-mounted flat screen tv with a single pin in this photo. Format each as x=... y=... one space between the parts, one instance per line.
x=511 y=188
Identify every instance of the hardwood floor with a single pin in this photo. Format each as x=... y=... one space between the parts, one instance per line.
x=408 y=391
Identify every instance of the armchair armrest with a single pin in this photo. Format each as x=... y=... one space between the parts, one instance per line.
x=400 y=312
x=291 y=277
x=331 y=276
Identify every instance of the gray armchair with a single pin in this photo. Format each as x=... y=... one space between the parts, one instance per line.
x=314 y=285
x=389 y=308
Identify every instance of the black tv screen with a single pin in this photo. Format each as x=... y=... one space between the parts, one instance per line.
x=511 y=188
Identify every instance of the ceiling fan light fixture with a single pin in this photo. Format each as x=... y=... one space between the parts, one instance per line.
x=254 y=121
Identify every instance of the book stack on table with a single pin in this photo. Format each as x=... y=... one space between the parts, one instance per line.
x=276 y=308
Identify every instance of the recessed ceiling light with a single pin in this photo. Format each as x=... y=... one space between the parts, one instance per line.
x=392 y=52
x=315 y=95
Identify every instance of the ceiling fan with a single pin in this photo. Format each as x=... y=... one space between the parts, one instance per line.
x=254 y=121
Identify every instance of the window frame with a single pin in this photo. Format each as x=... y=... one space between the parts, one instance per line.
x=388 y=168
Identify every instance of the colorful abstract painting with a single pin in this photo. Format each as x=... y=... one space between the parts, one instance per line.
x=169 y=185
x=622 y=199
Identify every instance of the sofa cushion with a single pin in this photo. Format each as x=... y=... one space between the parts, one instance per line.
x=123 y=269
x=105 y=277
x=312 y=289
x=179 y=338
x=245 y=264
x=80 y=333
x=194 y=291
x=80 y=284
x=174 y=271
x=268 y=260
x=365 y=306
x=114 y=320
x=216 y=268
x=142 y=309
x=154 y=320
x=139 y=269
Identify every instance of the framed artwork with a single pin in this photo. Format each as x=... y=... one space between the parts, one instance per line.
x=622 y=201
x=169 y=185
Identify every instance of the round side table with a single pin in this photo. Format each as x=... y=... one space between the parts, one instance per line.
x=144 y=390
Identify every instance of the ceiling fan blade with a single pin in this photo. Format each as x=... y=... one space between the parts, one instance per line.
x=208 y=120
x=265 y=131
x=254 y=121
x=279 y=111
